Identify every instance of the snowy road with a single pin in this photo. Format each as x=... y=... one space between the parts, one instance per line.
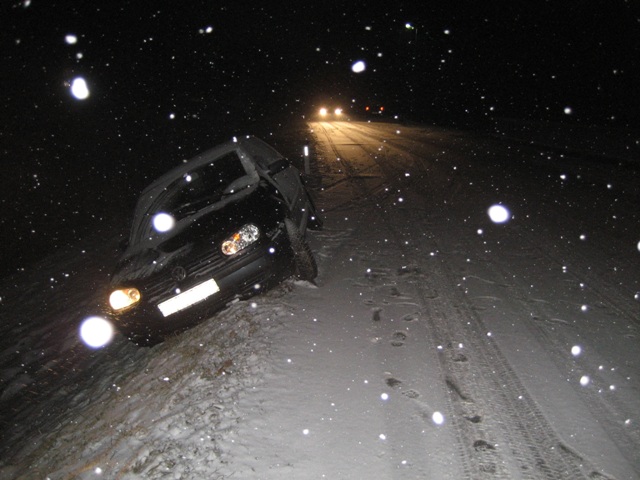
x=437 y=343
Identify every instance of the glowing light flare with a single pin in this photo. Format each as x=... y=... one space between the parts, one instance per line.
x=124 y=298
x=163 y=222
x=499 y=214
x=71 y=39
x=79 y=88
x=323 y=112
x=358 y=67
x=241 y=239
x=438 y=418
x=96 y=332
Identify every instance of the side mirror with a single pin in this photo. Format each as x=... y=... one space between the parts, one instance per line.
x=241 y=183
x=278 y=166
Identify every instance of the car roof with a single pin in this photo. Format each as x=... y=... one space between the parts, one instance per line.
x=250 y=145
x=250 y=149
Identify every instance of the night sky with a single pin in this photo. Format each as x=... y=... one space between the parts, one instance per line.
x=168 y=79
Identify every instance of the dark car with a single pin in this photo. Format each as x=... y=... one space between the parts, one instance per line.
x=230 y=223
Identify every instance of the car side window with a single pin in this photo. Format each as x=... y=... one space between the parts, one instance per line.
x=203 y=186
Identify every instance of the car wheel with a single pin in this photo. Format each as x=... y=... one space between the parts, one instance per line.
x=306 y=267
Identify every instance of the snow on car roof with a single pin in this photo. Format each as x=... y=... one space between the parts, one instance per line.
x=255 y=155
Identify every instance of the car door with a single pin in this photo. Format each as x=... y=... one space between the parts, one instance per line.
x=290 y=186
x=284 y=176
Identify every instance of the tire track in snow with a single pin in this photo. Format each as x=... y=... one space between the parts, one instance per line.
x=473 y=465
x=482 y=380
x=537 y=316
x=481 y=384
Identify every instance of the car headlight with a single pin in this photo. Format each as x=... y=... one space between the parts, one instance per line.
x=338 y=111
x=241 y=239
x=123 y=298
x=323 y=112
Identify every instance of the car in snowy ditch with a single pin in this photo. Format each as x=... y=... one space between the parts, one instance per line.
x=229 y=223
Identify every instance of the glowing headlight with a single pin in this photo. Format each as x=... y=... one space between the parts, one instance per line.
x=323 y=112
x=338 y=111
x=241 y=239
x=124 y=298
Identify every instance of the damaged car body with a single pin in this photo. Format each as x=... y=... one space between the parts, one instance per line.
x=230 y=223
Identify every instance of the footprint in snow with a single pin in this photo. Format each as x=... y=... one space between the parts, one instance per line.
x=398 y=338
x=482 y=446
x=411 y=394
x=408 y=269
x=411 y=317
x=459 y=357
x=393 y=382
x=374 y=273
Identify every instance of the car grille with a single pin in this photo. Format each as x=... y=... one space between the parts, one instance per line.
x=208 y=264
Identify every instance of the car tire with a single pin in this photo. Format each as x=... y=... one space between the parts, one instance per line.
x=306 y=267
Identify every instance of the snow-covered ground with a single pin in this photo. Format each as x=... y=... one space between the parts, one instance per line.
x=437 y=342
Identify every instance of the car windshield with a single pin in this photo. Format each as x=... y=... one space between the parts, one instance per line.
x=204 y=186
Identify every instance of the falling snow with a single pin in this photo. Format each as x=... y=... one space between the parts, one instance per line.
x=378 y=357
x=473 y=286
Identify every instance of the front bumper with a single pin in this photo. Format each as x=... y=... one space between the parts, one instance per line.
x=250 y=273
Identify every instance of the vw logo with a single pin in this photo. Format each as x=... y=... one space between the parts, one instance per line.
x=178 y=274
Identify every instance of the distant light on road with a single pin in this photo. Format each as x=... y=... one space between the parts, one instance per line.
x=358 y=67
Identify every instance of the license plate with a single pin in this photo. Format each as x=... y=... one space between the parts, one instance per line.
x=189 y=297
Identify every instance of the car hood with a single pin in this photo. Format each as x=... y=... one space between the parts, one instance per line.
x=205 y=229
